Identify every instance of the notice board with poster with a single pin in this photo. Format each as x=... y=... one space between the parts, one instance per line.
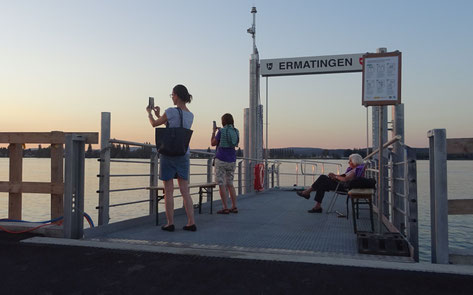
x=381 y=79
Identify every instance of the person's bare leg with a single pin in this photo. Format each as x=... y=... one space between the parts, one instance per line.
x=186 y=197
x=169 y=201
x=232 y=192
x=307 y=191
x=223 y=195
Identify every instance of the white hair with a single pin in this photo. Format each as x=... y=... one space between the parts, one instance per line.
x=356 y=159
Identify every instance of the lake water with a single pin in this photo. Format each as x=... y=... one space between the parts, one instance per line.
x=36 y=207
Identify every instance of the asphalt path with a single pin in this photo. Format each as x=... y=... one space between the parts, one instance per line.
x=50 y=269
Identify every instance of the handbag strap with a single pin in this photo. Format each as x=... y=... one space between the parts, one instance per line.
x=180 y=115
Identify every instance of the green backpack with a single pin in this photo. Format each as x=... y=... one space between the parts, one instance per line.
x=229 y=136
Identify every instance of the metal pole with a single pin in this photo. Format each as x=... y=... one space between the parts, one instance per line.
x=438 y=195
x=399 y=220
x=367 y=133
x=153 y=180
x=246 y=151
x=240 y=182
x=74 y=187
x=380 y=169
x=104 y=181
x=413 y=229
x=380 y=139
x=266 y=182
x=209 y=175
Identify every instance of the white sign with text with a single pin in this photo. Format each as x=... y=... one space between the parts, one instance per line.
x=327 y=64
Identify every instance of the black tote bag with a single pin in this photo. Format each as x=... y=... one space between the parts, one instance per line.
x=173 y=141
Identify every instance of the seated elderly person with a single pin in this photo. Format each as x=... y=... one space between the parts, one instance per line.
x=329 y=183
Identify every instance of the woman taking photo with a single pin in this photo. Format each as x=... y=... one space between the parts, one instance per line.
x=175 y=166
x=226 y=140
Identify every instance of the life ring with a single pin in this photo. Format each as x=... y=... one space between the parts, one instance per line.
x=259 y=177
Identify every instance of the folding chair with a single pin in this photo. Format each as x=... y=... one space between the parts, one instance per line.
x=336 y=194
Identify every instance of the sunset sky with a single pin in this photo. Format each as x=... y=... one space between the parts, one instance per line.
x=62 y=63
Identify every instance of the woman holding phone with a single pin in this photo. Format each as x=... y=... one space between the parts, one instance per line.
x=175 y=166
x=226 y=140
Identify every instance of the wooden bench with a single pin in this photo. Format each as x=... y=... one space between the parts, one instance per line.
x=206 y=187
x=361 y=196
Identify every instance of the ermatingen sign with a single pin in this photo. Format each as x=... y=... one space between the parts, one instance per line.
x=327 y=64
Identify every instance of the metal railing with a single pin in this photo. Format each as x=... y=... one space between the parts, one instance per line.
x=396 y=200
x=105 y=175
x=244 y=183
x=104 y=191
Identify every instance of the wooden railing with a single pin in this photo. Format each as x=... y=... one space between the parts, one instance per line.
x=460 y=146
x=16 y=186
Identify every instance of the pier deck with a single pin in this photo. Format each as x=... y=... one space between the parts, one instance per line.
x=271 y=222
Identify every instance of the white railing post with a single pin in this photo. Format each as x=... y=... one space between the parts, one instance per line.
x=104 y=181
x=438 y=195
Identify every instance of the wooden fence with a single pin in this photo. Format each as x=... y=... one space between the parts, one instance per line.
x=16 y=186
x=460 y=146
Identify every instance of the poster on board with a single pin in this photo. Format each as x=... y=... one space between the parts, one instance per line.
x=381 y=79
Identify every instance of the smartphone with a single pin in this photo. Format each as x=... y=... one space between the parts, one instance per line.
x=151 y=103
x=215 y=125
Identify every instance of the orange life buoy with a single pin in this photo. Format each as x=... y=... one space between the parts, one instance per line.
x=259 y=177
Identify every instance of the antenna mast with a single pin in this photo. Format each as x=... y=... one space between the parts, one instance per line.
x=252 y=30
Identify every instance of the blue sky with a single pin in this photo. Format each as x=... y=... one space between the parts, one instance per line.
x=62 y=63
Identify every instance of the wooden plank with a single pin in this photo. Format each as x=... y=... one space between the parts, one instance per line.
x=57 y=172
x=54 y=137
x=191 y=185
x=50 y=230
x=460 y=207
x=31 y=137
x=32 y=187
x=16 y=176
x=459 y=145
x=204 y=184
x=390 y=227
x=4 y=186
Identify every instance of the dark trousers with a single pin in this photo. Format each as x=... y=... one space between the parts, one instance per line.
x=324 y=184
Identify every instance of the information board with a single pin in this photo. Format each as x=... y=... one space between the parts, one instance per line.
x=381 y=79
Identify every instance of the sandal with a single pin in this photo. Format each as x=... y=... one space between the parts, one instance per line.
x=223 y=211
x=300 y=194
x=234 y=210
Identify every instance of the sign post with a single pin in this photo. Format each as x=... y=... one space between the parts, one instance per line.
x=381 y=86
